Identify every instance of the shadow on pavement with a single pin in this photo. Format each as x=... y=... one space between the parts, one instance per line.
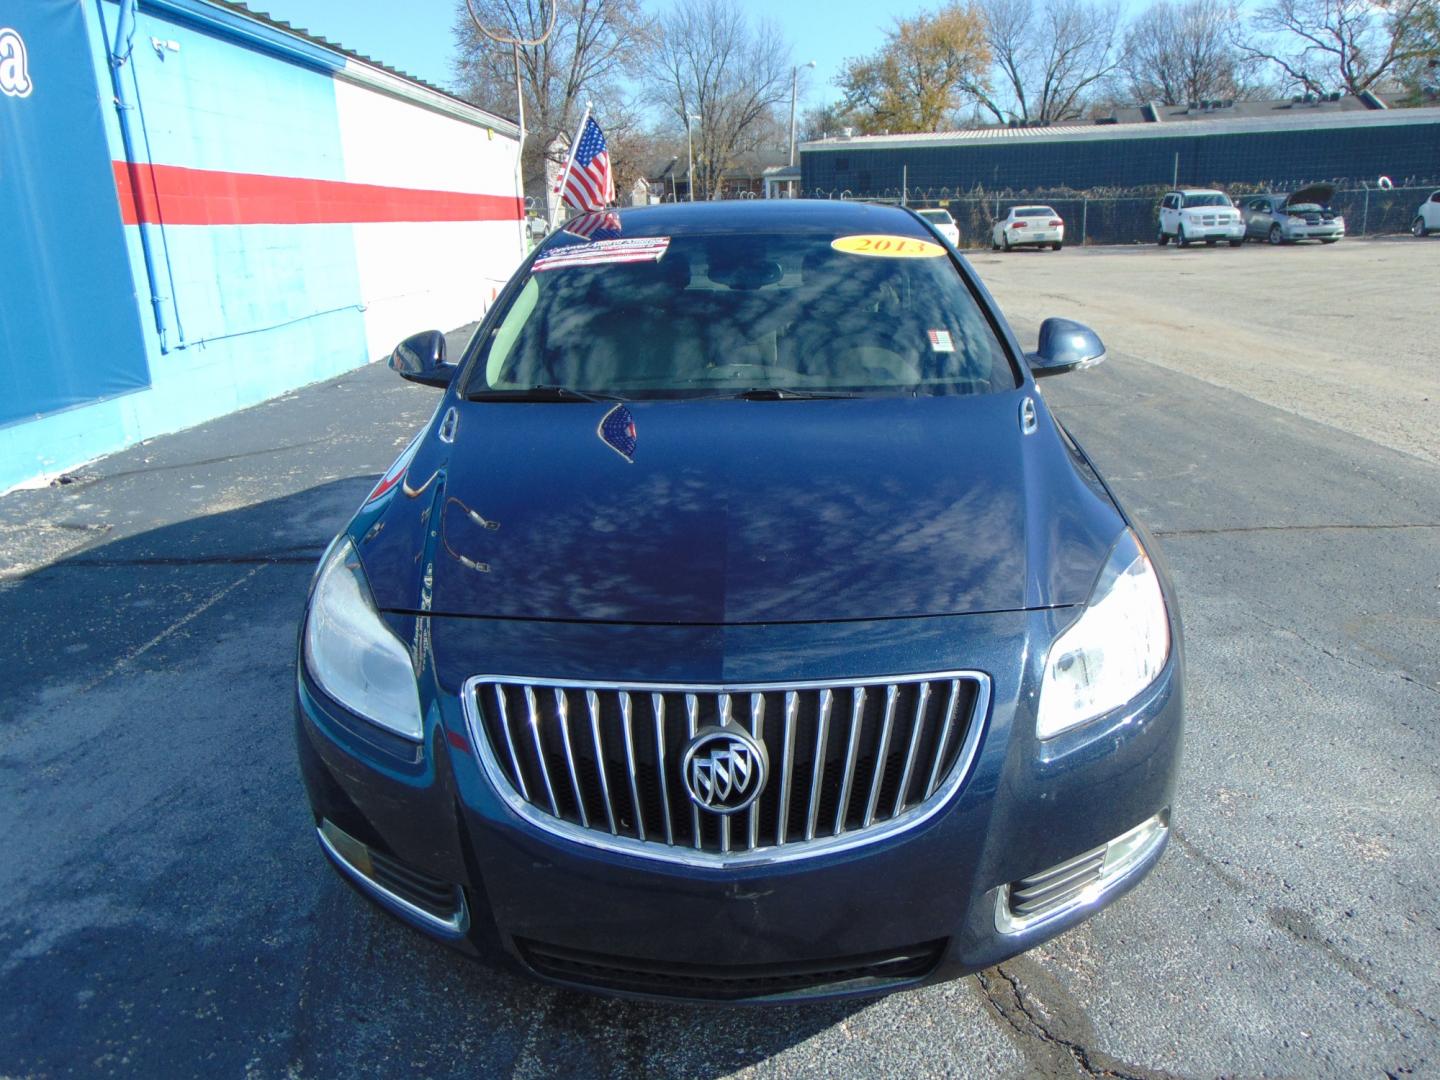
x=164 y=910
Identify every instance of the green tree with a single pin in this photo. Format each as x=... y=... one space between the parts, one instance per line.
x=922 y=74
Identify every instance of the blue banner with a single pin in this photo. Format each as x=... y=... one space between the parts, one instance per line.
x=69 y=321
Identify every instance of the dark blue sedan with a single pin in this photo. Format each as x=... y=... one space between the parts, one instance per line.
x=742 y=626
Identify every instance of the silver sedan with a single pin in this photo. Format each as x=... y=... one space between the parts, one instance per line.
x=1286 y=219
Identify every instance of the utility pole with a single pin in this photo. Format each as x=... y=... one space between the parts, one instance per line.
x=690 y=151
x=794 y=87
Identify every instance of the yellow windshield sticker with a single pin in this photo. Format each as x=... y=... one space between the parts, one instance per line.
x=888 y=247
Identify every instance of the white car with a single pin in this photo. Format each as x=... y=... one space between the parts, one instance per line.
x=1200 y=214
x=1427 y=218
x=944 y=224
x=1033 y=226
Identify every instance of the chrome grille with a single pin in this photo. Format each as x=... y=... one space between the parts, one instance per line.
x=848 y=761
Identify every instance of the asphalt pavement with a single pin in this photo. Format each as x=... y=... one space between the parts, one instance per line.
x=164 y=909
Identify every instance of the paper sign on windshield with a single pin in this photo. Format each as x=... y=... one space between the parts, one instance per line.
x=888 y=247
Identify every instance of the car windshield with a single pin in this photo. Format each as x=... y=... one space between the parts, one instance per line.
x=700 y=315
x=1213 y=199
x=939 y=217
x=1034 y=211
x=1303 y=208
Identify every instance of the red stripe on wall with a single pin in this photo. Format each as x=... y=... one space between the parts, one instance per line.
x=173 y=195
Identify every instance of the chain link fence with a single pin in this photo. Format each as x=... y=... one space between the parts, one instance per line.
x=1130 y=217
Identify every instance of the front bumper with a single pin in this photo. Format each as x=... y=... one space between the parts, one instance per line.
x=926 y=905
x=1197 y=230
x=1330 y=231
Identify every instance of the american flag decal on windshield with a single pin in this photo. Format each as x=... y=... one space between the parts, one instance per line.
x=617 y=431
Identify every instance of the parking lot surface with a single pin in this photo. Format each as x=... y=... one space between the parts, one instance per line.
x=164 y=910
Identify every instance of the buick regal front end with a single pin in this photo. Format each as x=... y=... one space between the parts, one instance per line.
x=742 y=626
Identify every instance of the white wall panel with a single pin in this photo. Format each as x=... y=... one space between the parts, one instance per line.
x=425 y=274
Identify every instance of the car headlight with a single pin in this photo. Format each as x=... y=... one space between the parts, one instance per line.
x=352 y=654
x=1116 y=648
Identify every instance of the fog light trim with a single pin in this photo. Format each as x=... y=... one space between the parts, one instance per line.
x=353 y=859
x=1080 y=882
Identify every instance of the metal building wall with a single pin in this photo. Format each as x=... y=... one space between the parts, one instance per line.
x=1280 y=157
x=301 y=212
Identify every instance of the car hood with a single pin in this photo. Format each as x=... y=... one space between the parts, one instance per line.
x=1320 y=194
x=741 y=512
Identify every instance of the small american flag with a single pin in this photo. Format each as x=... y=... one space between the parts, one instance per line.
x=590 y=185
x=597 y=225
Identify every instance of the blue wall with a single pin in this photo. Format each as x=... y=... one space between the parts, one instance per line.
x=253 y=310
x=64 y=249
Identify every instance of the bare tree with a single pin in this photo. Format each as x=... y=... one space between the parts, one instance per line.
x=585 y=56
x=1177 y=51
x=920 y=76
x=1351 y=45
x=1047 y=60
x=707 y=60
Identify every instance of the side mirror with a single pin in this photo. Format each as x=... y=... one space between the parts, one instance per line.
x=421 y=358
x=1065 y=345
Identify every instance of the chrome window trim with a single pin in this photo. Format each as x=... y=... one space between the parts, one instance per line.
x=783 y=853
x=453 y=927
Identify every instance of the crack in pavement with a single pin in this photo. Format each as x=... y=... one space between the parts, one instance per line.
x=1168 y=533
x=1369 y=669
x=1299 y=927
x=1007 y=998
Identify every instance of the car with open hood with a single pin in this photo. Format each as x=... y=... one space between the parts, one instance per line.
x=743 y=625
x=1287 y=219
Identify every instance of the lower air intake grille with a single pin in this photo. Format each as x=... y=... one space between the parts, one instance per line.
x=1037 y=896
x=826 y=763
x=718 y=982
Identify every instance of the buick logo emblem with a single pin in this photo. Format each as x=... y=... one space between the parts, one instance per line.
x=724 y=769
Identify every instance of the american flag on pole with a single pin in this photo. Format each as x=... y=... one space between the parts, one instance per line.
x=589 y=185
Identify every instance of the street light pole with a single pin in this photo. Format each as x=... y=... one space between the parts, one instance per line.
x=673 y=159
x=690 y=151
x=794 y=87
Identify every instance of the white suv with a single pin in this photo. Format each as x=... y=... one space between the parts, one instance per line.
x=943 y=222
x=1200 y=214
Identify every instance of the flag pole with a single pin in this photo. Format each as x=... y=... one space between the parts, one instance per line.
x=569 y=164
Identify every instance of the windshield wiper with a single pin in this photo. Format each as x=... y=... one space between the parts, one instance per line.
x=788 y=393
x=543 y=392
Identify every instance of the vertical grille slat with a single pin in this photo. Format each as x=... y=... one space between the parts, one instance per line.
x=918 y=726
x=757 y=729
x=592 y=705
x=627 y=715
x=516 y=772
x=857 y=719
x=692 y=724
x=822 y=742
x=657 y=708
x=540 y=754
x=562 y=710
x=787 y=765
x=944 y=738
x=892 y=695
x=837 y=759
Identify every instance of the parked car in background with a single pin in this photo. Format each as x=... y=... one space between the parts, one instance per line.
x=943 y=222
x=1199 y=214
x=1287 y=219
x=742 y=625
x=1028 y=226
x=1427 y=218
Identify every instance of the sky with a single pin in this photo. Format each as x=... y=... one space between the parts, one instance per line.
x=415 y=35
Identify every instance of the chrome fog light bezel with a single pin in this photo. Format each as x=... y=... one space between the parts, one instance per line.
x=1121 y=856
